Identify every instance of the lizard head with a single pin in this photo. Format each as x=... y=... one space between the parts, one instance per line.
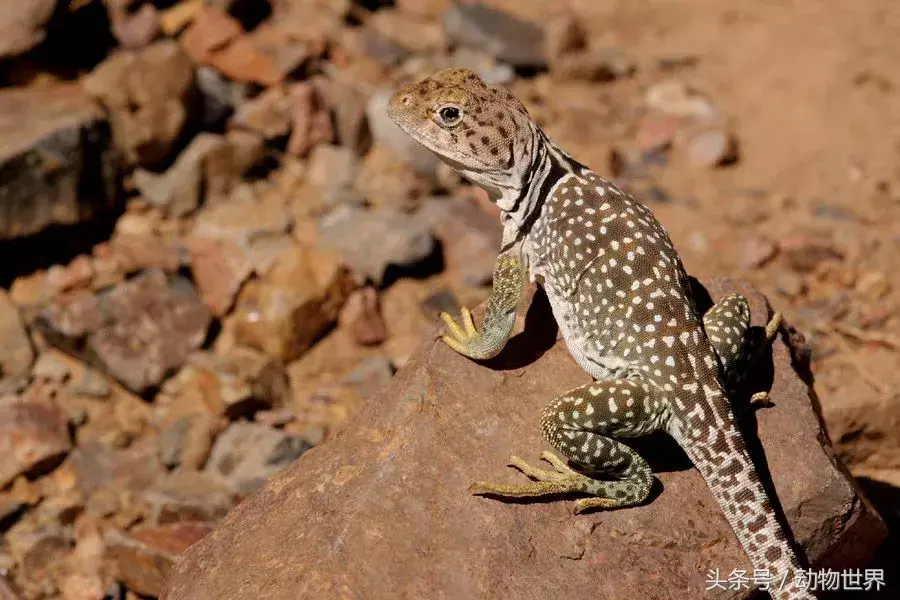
x=481 y=130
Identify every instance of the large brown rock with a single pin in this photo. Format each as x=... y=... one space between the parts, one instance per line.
x=57 y=166
x=383 y=512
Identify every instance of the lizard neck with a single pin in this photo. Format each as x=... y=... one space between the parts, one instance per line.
x=544 y=164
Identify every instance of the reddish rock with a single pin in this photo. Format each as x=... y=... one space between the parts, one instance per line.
x=244 y=60
x=864 y=429
x=409 y=33
x=34 y=436
x=407 y=459
x=83 y=574
x=362 y=316
x=143 y=557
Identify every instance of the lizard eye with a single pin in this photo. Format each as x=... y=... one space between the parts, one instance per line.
x=450 y=115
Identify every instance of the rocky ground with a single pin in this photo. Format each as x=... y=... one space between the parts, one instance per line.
x=216 y=246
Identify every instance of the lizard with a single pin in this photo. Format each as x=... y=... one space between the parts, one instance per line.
x=622 y=299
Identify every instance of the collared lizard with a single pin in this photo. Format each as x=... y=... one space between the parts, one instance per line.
x=623 y=302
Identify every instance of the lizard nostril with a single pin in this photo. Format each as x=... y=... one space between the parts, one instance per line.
x=405 y=100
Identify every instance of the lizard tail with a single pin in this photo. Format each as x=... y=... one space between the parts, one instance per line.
x=718 y=451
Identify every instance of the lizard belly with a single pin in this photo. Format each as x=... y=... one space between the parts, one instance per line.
x=587 y=346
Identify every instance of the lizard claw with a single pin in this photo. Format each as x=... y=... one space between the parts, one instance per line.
x=464 y=339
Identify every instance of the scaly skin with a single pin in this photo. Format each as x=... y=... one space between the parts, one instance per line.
x=622 y=299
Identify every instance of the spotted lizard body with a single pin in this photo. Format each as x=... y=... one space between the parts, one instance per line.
x=623 y=302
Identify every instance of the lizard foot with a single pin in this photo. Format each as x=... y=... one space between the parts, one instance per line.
x=461 y=339
x=562 y=480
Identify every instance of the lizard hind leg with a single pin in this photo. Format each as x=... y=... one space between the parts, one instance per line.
x=579 y=425
x=727 y=325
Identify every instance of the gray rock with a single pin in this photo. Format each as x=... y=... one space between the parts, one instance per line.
x=246 y=454
x=57 y=166
x=507 y=38
x=371 y=242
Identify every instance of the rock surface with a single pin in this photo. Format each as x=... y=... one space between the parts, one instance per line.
x=56 y=162
x=383 y=512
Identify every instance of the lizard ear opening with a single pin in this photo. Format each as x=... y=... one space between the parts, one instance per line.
x=449 y=115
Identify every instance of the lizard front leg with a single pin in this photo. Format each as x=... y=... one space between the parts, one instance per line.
x=499 y=317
